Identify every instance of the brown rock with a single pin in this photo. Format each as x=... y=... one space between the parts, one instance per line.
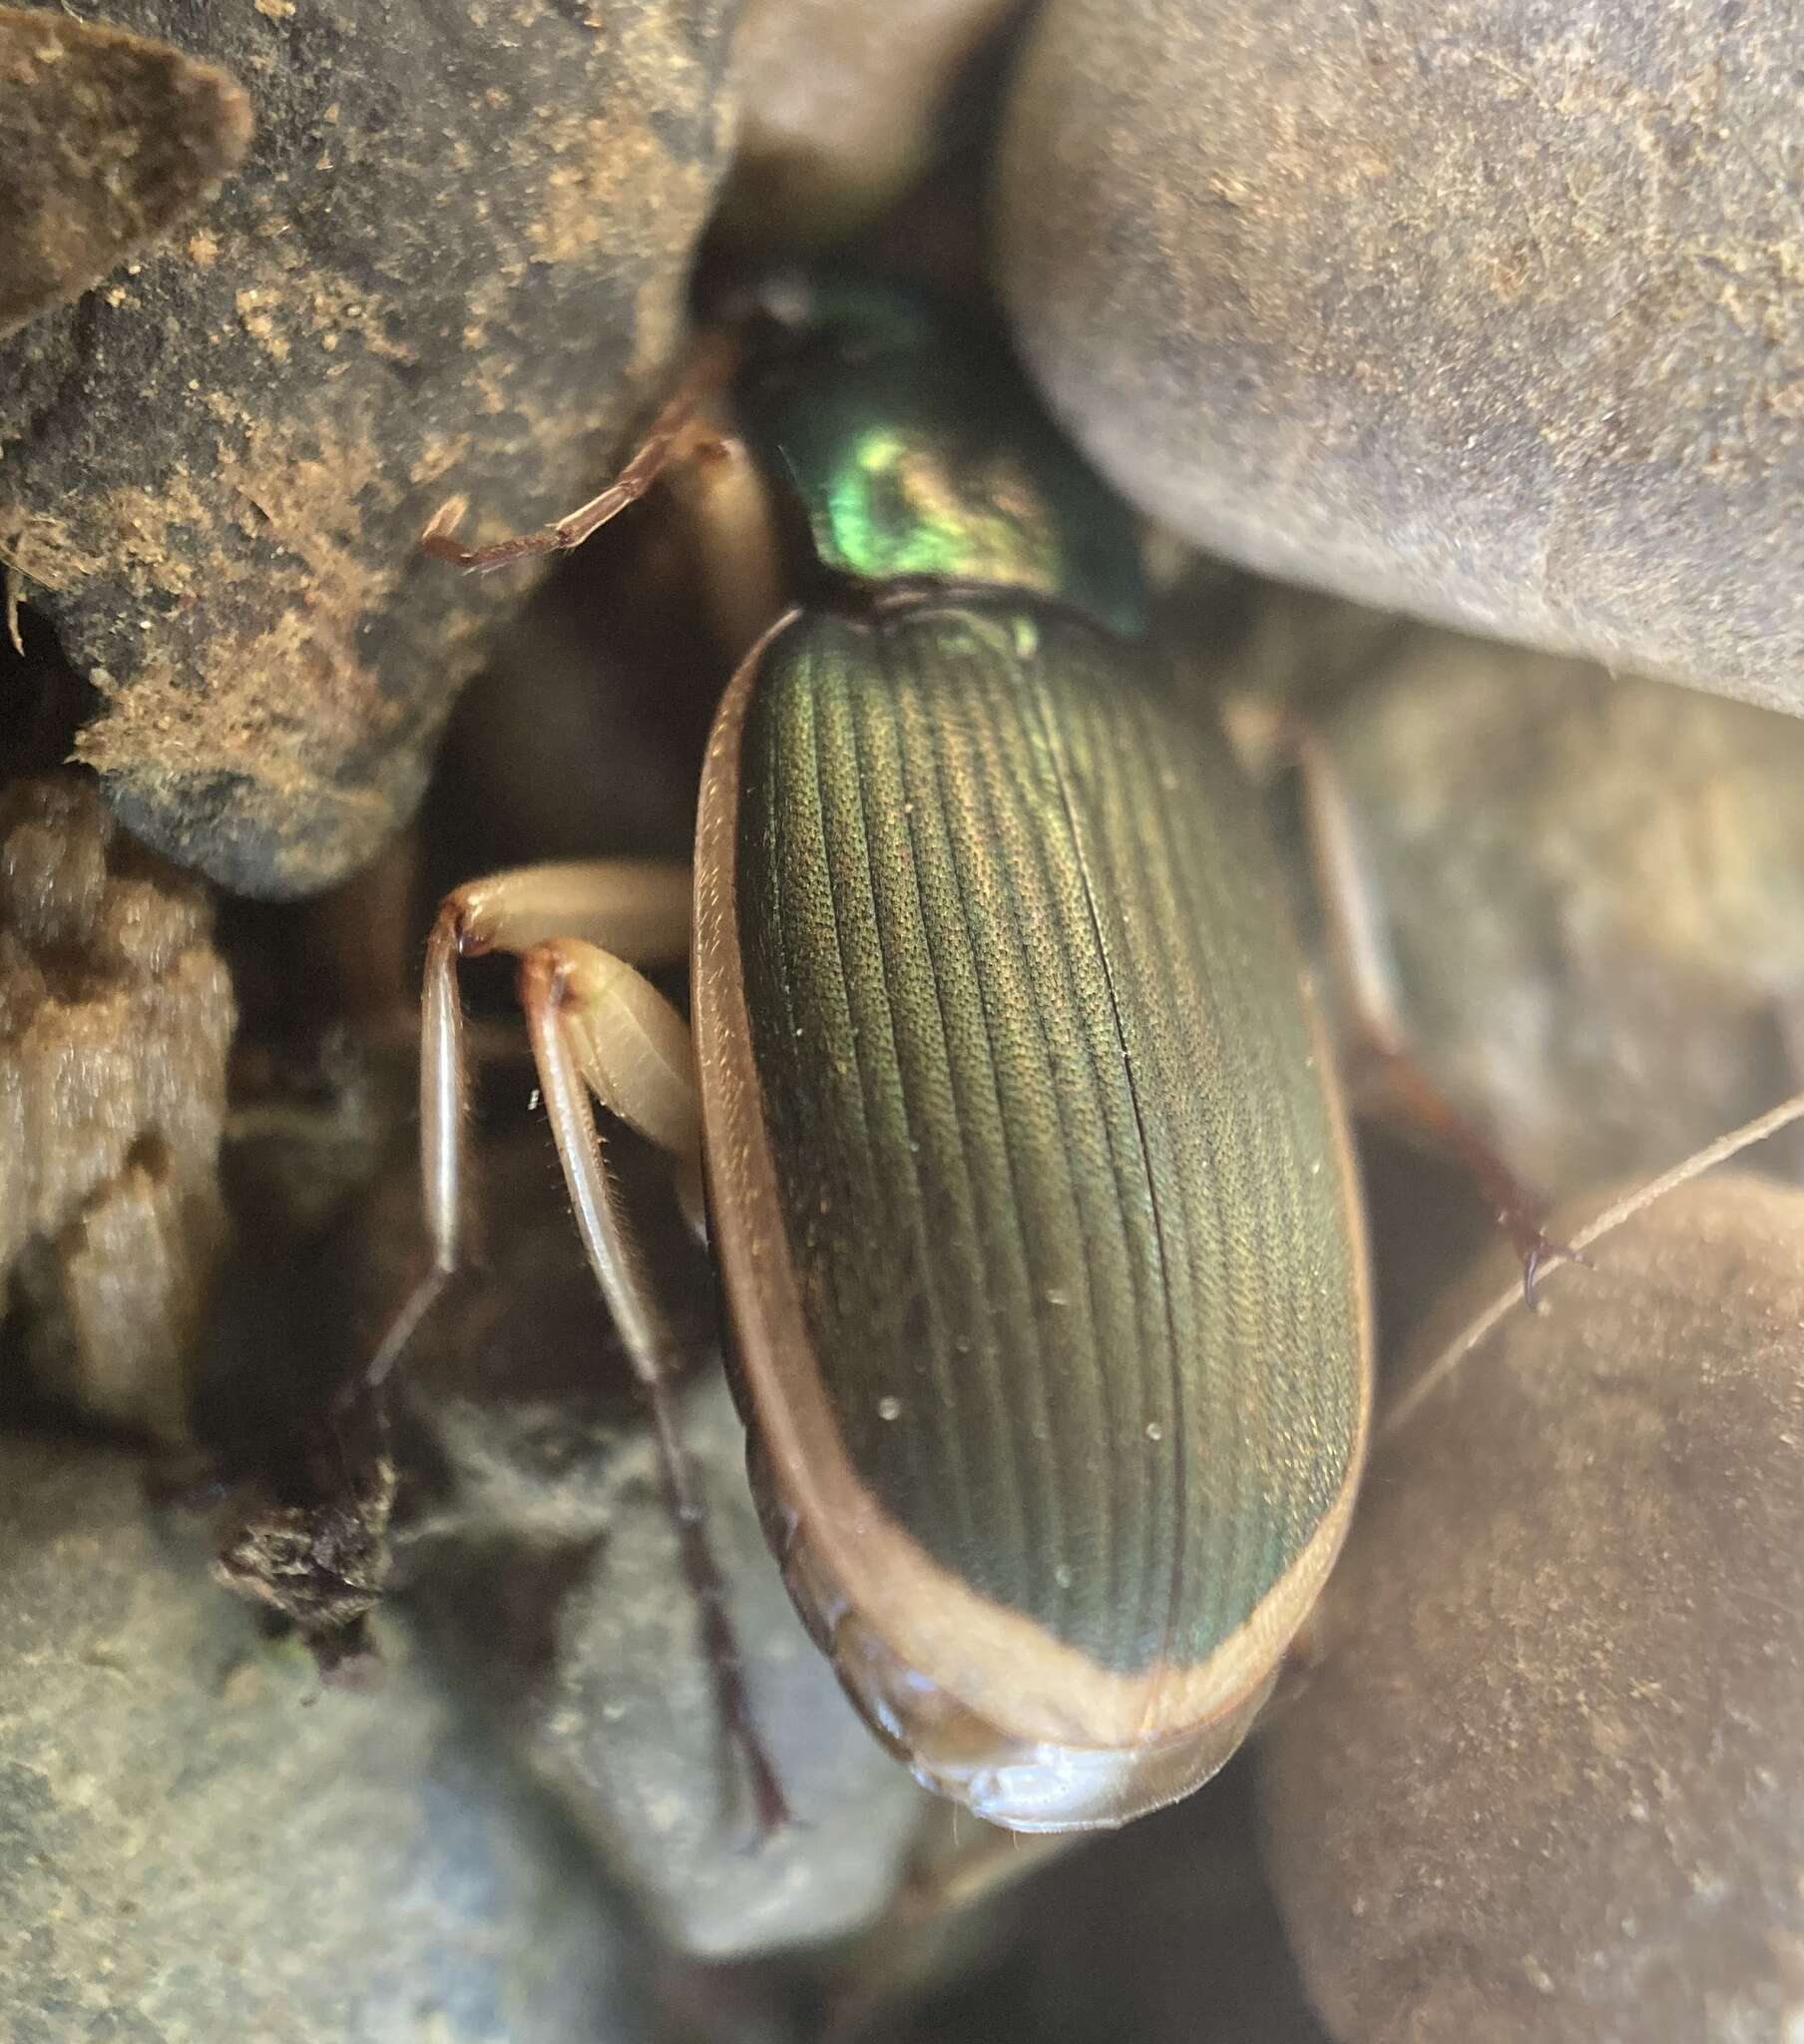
x=116 y=1016
x=842 y=103
x=1543 y=1786
x=1594 y=890
x=107 y=140
x=1485 y=312
x=452 y=261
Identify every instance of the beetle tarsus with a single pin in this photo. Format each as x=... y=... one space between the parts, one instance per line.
x=770 y=1807
x=1537 y=1250
x=673 y=435
x=420 y=1301
x=739 y=1733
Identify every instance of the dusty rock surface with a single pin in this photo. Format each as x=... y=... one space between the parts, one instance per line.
x=198 y=1843
x=1488 y=311
x=1543 y=1786
x=107 y=140
x=451 y=262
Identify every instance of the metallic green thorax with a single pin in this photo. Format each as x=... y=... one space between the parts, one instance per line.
x=1059 y=1172
x=916 y=448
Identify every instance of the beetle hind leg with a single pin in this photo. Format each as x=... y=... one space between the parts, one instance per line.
x=635 y=909
x=1387 y=1074
x=581 y=1009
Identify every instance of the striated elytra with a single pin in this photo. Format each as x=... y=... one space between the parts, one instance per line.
x=1028 y=1178
x=1029 y=1185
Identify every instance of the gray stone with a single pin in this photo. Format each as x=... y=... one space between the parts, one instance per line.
x=587 y=1653
x=1486 y=310
x=1593 y=889
x=1542 y=1784
x=843 y=102
x=197 y=1843
x=536 y=1544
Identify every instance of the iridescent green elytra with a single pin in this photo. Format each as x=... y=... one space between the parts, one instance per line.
x=1031 y=1195
x=1067 y=1225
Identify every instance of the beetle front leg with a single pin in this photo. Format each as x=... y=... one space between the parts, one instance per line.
x=1387 y=1073
x=678 y=433
x=638 y=909
x=596 y=1024
x=593 y=1028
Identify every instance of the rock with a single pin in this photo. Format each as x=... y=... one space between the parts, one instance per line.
x=1486 y=312
x=843 y=102
x=116 y=1020
x=281 y=1416
x=535 y=1543
x=106 y=142
x=1163 y=1932
x=1593 y=887
x=587 y=1653
x=453 y=261
x=196 y=1842
x=1241 y=636
x=1543 y=1784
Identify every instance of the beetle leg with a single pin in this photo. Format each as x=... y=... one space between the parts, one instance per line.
x=675 y=434
x=573 y=1000
x=596 y=1023
x=1387 y=1076
x=636 y=1056
x=639 y=909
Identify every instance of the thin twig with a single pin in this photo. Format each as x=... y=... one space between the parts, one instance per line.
x=1612 y=1218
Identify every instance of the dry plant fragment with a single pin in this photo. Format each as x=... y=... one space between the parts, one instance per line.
x=116 y=1016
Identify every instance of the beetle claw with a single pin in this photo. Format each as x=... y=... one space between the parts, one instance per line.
x=771 y=1815
x=1536 y=1252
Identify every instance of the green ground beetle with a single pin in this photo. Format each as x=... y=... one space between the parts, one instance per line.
x=1025 y=1170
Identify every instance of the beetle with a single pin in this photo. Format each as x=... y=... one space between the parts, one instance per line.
x=1027 y=1176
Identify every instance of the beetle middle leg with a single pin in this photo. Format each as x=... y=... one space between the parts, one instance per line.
x=598 y=1026
x=1386 y=1073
